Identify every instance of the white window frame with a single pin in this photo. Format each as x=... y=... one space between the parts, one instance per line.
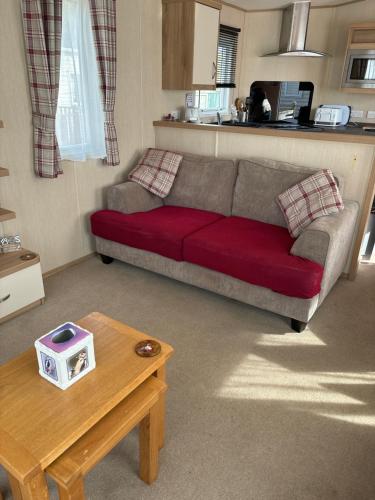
x=80 y=115
x=225 y=100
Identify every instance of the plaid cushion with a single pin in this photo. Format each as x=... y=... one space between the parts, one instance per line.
x=314 y=197
x=156 y=171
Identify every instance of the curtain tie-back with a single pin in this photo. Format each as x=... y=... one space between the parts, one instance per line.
x=109 y=117
x=44 y=122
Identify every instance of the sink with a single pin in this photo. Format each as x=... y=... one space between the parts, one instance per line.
x=277 y=126
x=273 y=125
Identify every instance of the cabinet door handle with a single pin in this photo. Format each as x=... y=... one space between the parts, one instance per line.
x=214 y=71
x=5 y=298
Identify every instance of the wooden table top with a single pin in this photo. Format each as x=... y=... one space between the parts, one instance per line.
x=39 y=421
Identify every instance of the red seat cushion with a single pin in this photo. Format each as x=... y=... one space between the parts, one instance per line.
x=161 y=230
x=254 y=252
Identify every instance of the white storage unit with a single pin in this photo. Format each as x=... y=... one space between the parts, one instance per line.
x=20 y=289
x=21 y=283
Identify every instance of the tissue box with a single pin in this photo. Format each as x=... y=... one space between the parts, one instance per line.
x=65 y=355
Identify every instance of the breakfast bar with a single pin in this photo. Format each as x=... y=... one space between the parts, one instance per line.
x=348 y=151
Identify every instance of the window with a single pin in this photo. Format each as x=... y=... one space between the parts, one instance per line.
x=213 y=101
x=80 y=117
x=227 y=56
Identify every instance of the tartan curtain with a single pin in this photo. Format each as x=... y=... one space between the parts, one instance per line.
x=103 y=18
x=42 y=21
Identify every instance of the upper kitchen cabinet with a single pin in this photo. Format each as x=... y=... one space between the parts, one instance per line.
x=190 y=39
x=359 y=68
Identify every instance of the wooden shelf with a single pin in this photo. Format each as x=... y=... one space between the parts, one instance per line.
x=365 y=46
x=4 y=172
x=357 y=90
x=11 y=262
x=6 y=215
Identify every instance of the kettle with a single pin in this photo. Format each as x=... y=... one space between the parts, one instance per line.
x=192 y=115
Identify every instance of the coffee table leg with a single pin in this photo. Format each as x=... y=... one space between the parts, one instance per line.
x=35 y=489
x=76 y=491
x=161 y=374
x=149 y=446
x=15 y=487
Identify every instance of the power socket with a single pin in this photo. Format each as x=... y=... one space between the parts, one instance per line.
x=356 y=113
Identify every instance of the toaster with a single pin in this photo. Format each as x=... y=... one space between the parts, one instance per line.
x=332 y=115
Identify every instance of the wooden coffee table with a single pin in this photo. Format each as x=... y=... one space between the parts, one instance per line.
x=39 y=421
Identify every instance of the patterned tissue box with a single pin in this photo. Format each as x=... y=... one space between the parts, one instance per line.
x=65 y=355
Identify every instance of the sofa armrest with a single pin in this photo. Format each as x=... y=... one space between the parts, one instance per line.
x=328 y=240
x=130 y=197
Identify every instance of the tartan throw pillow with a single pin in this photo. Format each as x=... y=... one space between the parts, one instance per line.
x=156 y=171
x=314 y=197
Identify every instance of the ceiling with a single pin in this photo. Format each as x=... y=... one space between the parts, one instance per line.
x=277 y=4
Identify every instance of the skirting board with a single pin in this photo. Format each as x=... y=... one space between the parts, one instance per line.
x=22 y=310
x=72 y=263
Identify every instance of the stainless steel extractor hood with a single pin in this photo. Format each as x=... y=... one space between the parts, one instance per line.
x=294 y=31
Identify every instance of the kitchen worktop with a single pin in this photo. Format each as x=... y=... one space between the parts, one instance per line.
x=339 y=134
x=348 y=151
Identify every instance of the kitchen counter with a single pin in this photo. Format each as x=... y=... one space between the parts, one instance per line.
x=348 y=151
x=337 y=134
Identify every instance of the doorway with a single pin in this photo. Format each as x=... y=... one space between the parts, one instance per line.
x=368 y=242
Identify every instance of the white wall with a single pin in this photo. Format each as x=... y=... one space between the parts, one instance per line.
x=52 y=215
x=343 y=17
x=352 y=162
x=261 y=36
x=328 y=28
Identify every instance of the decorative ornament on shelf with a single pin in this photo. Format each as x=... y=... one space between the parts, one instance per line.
x=10 y=243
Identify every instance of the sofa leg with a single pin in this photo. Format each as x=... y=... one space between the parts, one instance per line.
x=298 y=326
x=106 y=259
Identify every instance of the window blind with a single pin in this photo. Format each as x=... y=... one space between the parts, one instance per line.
x=227 y=56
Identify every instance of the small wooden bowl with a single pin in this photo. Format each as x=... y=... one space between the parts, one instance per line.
x=148 y=348
x=28 y=256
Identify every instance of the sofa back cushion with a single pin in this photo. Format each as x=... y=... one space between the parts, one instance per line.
x=205 y=183
x=259 y=183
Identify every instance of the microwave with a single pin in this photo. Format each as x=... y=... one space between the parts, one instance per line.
x=359 y=69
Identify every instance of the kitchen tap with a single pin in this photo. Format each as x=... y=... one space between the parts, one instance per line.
x=218 y=118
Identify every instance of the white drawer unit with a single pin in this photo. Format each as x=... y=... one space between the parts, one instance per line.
x=20 y=289
x=21 y=283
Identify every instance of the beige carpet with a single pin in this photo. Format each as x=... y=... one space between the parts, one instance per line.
x=254 y=411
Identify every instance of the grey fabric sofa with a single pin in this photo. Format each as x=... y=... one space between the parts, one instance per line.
x=244 y=188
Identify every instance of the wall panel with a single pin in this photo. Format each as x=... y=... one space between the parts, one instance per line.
x=52 y=215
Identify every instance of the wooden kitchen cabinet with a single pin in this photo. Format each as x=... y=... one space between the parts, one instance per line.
x=360 y=48
x=190 y=38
